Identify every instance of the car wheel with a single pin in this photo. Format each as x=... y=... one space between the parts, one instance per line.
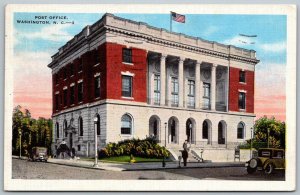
x=269 y=168
x=250 y=170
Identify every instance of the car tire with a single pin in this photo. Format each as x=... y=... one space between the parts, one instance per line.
x=250 y=170
x=269 y=168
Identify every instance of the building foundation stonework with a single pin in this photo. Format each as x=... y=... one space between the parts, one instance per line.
x=138 y=81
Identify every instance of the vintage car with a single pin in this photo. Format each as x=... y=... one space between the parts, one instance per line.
x=268 y=160
x=39 y=154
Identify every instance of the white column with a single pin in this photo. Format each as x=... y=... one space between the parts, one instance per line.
x=180 y=81
x=197 y=85
x=163 y=80
x=213 y=87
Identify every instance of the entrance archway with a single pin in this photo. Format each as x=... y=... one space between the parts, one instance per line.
x=190 y=130
x=173 y=130
x=154 y=127
x=206 y=131
x=222 y=132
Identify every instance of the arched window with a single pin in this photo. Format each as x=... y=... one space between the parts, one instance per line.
x=240 y=130
x=98 y=125
x=80 y=126
x=57 y=129
x=126 y=126
x=205 y=130
x=65 y=128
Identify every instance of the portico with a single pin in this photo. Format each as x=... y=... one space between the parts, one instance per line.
x=175 y=81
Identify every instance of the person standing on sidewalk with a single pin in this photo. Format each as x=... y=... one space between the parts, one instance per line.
x=185 y=152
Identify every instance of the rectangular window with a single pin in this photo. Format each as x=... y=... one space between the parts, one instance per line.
x=156 y=89
x=72 y=69
x=191 y=93
x=242 y=100
x=206 y=95
x=72 y=95
x=80 y=92
x=78 y=148
x=56 y=101
x=242 y=77
x=65 y=97
x=97 y=87
x=97 y=57
x=127 y=55
x=65 y=73
x=126 y=86
x=80 y=65
x=174 y=92
x=56 y=78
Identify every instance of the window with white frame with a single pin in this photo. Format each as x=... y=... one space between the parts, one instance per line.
x=174 y=91
x=126 y=86
x=127 y=55
x=80 y=126
x=191 y=93
x=242 y=76
x=242 y=100
x=156 y=89
x=97 y=87
x=126 y=125
x=72 y=95
x=206 y=95
x=240 y=131
x=80 y=92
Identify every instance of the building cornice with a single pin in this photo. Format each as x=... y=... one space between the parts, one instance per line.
x=144 y=32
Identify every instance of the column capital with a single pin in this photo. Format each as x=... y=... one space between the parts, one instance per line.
x=199 y=62
x=163 y=56
x=214 y=65
x=181 y=59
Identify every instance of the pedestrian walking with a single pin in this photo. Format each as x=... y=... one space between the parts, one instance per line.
x=185 y=152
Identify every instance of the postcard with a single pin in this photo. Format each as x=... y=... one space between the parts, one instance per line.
x=150 y=97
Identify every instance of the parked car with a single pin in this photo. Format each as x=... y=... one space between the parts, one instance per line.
x=268 y=160
x=39 y=154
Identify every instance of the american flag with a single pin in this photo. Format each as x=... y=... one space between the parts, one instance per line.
x=177 y=17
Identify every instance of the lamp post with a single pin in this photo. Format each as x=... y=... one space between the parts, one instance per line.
x=20 y=135
x=164 y=162
x=96 y=152
x=251 y=142
x=268 y=136
x=190 y=137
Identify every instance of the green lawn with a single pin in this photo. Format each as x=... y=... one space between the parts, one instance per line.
x=125 y=159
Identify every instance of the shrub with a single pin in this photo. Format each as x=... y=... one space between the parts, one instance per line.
x=142 y=148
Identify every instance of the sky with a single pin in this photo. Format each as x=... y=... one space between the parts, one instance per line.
x=34 y=44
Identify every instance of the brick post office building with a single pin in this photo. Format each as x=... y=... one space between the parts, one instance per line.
x=139 y=81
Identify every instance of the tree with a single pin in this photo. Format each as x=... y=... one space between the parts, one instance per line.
x=270 y=130
x=33 y=132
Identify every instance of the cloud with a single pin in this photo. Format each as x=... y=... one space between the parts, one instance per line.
x=274 y=47
x=239 y=41
x=210 y=30
x=50 y=33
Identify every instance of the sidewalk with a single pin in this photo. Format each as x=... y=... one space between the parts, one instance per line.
x=140 y=166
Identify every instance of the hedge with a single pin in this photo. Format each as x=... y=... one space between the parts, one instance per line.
x=148 y=148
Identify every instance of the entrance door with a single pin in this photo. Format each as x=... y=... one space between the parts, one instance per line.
x=189 y=131
x=173 y=131
x=221 y=134
x=71 y=141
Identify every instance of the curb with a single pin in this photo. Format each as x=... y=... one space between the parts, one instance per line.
x=139 y=169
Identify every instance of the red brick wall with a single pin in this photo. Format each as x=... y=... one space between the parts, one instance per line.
x=110 y=68
x=235 y=86
x=115 y=67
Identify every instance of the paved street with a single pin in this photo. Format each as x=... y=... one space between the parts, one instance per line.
x=23 y=169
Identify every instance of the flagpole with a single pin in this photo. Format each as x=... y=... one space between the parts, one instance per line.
x=170 y=21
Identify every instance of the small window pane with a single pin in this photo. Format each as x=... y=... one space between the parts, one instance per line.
x=240 y=131
x=242 y=100
x=126 y=86
x=127 y=55
x=126 y=124
x=80 y=92
x=242 y=77
x=97 y=87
